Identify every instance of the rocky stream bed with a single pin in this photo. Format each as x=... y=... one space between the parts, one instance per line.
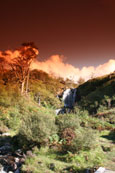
x=10 y=160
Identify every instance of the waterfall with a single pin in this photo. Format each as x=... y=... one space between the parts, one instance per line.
x=69 y=98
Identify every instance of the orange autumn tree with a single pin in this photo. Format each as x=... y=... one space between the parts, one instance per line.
x=21 y=64
x=3 y=66
x=2 y=63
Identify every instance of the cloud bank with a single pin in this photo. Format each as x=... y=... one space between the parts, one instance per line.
x=55 y=65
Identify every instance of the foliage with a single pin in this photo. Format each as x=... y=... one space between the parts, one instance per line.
x=42 y=95
x=96 y=92
x=3 y=128
x=80 y=140
x=20 y=65
x=86 y=159
x=36 y=128
x=67 y=121
x=98 y=121
x=73 y=136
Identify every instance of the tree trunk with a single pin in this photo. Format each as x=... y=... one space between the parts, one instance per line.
x=27 y=82
x=22 y=87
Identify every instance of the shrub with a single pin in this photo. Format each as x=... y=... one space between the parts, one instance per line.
x=10 y=117
x=14 y=118
x=68 y=135
x=74 y=138
x=36 y=128
x=67 y=121
x=79 y=140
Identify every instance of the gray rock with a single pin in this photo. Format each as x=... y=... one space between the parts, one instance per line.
x=5 y=149
x=104 y=170
x=100 y=170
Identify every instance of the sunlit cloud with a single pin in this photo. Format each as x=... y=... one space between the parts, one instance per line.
x=56 y=65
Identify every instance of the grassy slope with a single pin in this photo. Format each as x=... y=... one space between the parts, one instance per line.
x=98 y=91
x=108 y=144
x=96 y=83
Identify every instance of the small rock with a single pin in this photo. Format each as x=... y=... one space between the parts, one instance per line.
x=5 y=149
x=5 y=134
x=100 y=170
x=17 y=171
x=17 y=159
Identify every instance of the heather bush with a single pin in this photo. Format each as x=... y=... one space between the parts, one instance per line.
x=74 y=138
x=78 y=140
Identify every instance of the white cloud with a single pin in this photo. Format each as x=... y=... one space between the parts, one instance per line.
x=55 y=65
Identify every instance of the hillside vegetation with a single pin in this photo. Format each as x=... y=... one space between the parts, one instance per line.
x=83 y=139
x=98 y=92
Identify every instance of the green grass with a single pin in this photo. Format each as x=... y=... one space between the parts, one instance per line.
x=43 y=158
x=41 y=161
x=109 y=149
